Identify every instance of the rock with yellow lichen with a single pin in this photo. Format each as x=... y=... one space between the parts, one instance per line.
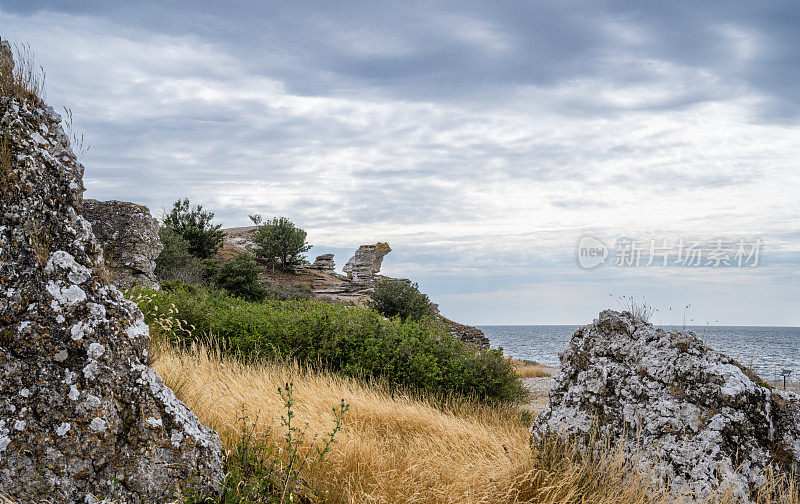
x=82 y=415
x=366 y=263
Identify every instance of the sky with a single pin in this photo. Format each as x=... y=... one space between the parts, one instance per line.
x=489 y=143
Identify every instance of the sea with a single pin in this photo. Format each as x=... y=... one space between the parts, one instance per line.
x=767 y=350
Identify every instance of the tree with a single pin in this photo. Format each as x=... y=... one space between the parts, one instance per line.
x=394 y=297
x=240 y=277
x=193 y=224
x=281 y=241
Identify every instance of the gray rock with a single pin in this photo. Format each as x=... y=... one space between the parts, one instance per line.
x=366 y=263
x=241 y=241
x=129 y=236
x=323 y=262
x=708 y=422
x=81 y=412
x=465 y=333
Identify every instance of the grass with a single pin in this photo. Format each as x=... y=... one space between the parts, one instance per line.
x=394 y=448
x=20 y=76
x=528 y=369
x=353 y=341
x=638 y=308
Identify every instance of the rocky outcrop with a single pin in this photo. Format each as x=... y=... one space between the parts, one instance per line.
x=468 y=334
x=323 y=262
x=129 y=237
x=81 y=412
x=366 y=263
x=707 y=422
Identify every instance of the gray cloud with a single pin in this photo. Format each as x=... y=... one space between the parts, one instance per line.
x=480 y=139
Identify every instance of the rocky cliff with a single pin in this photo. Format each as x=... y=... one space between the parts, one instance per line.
x=129 y=235
x=708 y=422
x=81 y=412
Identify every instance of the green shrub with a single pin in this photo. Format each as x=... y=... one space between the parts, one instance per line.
x=282 y=292
x=280 y=241
x=240 y=277
x=175 y=262
x=359 y=342
x=393 y=297
x=193 y=224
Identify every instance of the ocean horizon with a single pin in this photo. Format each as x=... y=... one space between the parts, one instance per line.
x=769 y=350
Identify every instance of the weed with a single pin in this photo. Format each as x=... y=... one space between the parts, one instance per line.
x=20 y=77
x=639 y=309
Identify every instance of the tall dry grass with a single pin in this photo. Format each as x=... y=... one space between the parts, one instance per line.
x=397 y=449
x=20 y=76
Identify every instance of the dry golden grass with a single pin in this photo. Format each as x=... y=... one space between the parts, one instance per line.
x=395 y=449
x=21 y=77
x=526 y=370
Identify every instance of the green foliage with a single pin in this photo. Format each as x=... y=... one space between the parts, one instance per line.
x=393 y=297
x=255 y=472
x=240 y=277
x=282 y=292
x=280 y=241
x=175 y=262
x=417 y=355
x=193 y=224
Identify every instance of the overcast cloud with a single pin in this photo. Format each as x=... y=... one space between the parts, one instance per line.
x=480 y=139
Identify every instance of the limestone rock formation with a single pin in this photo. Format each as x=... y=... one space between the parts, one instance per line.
x=468 y=334
x=323 y=262
x=709 y=422
x=82 y=415
x=129 y=236
x=362 y=267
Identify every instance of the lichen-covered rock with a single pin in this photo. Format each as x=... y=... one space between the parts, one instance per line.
x=366 y=263
x=323 y=262
x=82 y=415
x=705 y=421
x=465 y=333
x=129 y=236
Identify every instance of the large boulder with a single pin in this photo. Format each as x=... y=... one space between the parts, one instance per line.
x=129 y=235
x=323 y=262
x=366 y=263
x=707 y=422
x=82 y=415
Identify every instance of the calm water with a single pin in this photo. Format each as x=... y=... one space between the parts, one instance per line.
x=767 y=349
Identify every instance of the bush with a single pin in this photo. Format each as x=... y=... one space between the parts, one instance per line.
x=400 y=298
x=280 y=241
x=175 y=262
x=351 y=340
x=193 y=224
x=240 y=277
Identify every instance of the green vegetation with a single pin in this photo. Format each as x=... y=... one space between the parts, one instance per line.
x=280 y=241
x=358 y=342
x=394 y=297
x=193 y=224
x=240 y=278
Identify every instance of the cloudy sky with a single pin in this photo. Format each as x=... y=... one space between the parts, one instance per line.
x=482 y=140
